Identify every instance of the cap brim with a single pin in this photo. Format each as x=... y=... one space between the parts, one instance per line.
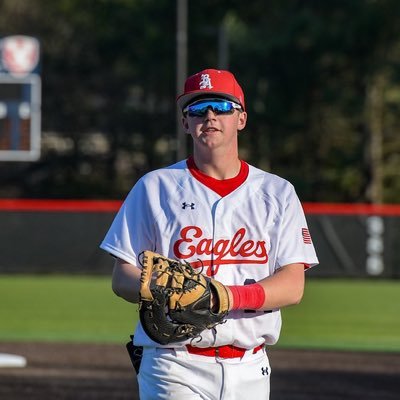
x=185 y=99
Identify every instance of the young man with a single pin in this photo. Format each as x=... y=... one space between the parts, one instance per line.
x=246 y=227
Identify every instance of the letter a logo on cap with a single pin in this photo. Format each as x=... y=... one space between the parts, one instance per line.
x=215 y=82
x=205 y=82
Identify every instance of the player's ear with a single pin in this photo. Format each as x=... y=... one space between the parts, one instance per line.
x=185 y=125
x=242 y=120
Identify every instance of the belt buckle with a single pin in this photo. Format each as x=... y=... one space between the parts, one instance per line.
x=217 y=352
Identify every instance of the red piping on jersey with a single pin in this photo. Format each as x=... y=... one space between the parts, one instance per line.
x=221 y=186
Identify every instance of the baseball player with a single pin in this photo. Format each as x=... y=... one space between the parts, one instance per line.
x=239 y=225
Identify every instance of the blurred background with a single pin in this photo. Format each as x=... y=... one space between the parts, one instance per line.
x=322 y=85
x=87 y=106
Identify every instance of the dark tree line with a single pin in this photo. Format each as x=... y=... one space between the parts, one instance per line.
x=321 y=80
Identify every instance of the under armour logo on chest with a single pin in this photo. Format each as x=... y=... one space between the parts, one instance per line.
x=185 y=205
x=265 y=370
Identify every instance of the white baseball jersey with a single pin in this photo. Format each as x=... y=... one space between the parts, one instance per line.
x=240 y=238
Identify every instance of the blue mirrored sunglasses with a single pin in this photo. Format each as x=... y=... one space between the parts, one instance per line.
x=218 y=106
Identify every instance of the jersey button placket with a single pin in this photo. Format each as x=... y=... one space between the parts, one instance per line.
x=216 y=214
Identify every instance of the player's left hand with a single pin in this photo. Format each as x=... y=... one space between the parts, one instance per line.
x=176 y=302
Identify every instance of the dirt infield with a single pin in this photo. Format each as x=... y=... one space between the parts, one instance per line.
x=80 y=371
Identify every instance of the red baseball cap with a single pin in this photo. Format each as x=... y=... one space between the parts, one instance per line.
x=214 y=82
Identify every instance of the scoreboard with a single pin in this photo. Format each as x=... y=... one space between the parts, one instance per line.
x=20 y=99
x=19 y=118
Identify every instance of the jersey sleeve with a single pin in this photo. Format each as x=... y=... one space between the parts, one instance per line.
x=295 y=243
x=132 y=229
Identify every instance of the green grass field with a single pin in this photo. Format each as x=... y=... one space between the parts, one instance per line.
x=63 y=308
x=345 y=314
x=334 y=314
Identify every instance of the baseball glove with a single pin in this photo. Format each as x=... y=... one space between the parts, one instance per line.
x=175 y=300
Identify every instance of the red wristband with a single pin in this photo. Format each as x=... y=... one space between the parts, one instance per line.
x=247 y=297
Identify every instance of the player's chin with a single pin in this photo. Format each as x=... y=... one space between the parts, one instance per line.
x=210 y=140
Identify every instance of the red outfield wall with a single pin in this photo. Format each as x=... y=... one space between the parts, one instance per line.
x=352 y=240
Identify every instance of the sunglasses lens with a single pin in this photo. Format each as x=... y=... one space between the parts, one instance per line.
x=200 y=108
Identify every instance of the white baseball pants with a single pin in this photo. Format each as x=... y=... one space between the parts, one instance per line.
x=178 y=375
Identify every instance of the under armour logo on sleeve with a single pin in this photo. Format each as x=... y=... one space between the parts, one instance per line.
x=191 y=205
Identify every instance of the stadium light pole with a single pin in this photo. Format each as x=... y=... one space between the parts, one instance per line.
x=181 y=71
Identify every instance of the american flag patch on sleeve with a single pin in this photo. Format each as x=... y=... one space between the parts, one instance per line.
x=306 y=236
